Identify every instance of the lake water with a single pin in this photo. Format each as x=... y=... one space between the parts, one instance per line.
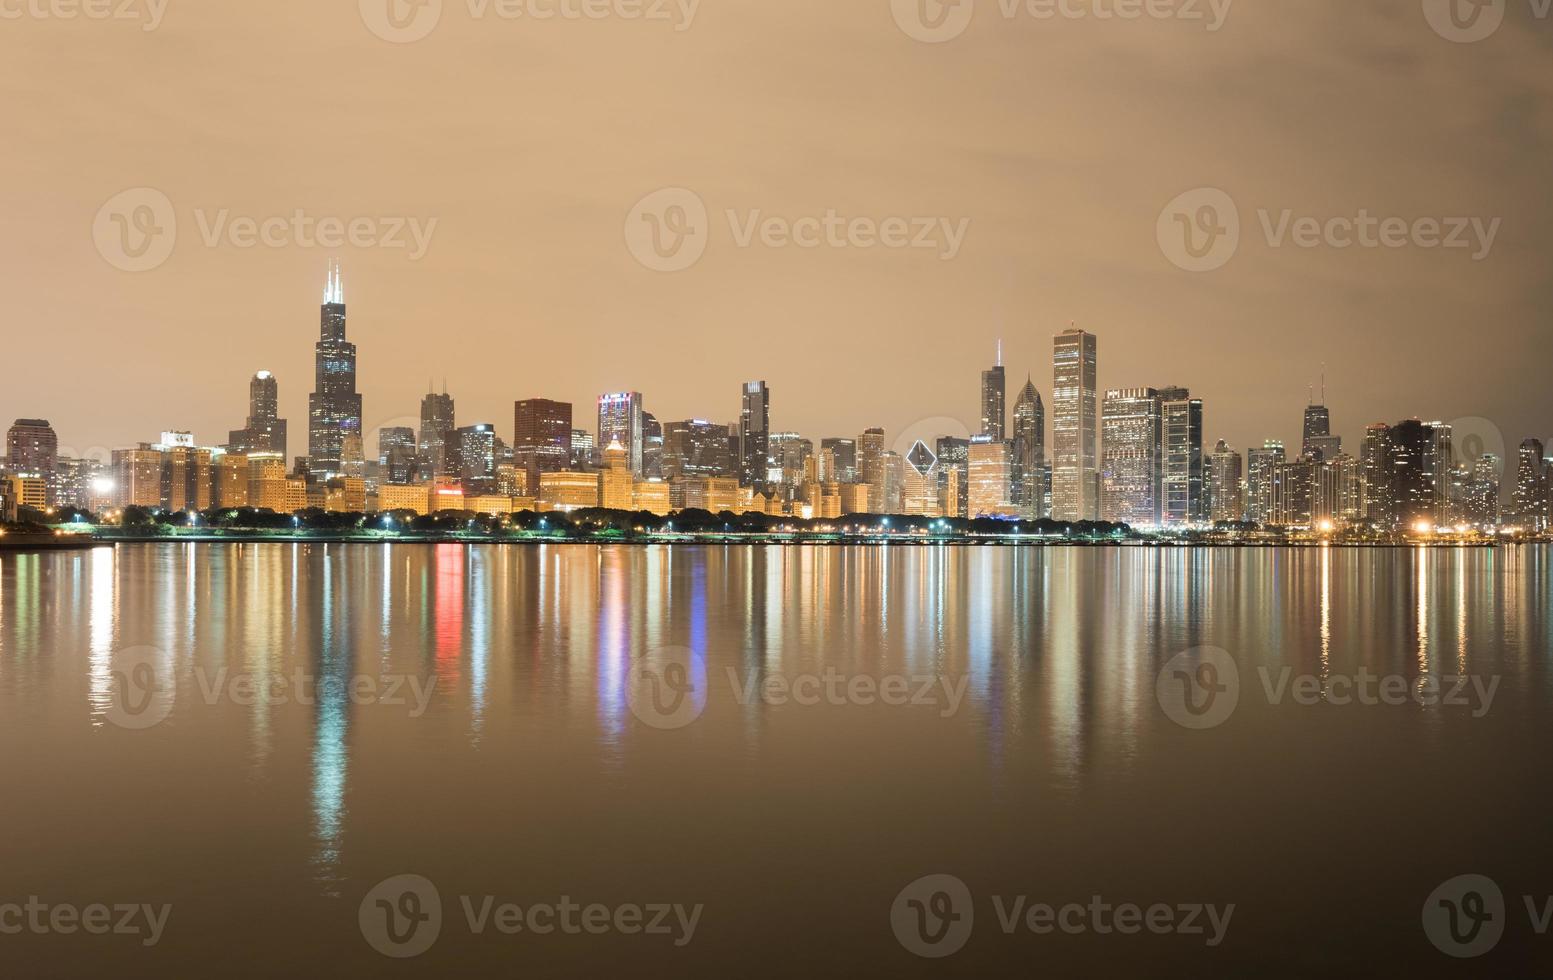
x=734 y=761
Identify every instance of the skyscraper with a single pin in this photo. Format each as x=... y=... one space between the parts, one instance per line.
x=1075 y=486
x=620 y=420
x=32 y=448
x=396 y=454
x=438 y=424
x=1261 y=466
x=845 y=453
x=1412 y=483
x=1182 y=486
x=1379 y=504
x=334 y=408
x=473 y=457
x=696 y=448
x=541 y=437
x=989 y=492
x=1030 y=453
x=870 y=464
x=1226 y=477
x=1531 y=486
x=1130 y=457
x=994 y=389
x=1319 y=442
x=755 y=434
x=265 y=430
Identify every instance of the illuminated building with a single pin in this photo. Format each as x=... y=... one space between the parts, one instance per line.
x=954 y=455
x=617 y=484
x=29 y=490
x=1131 y=466
x=511 y=480
x=1480 y=497
x=989 y=492
x=1075 y=460
x=1226 y=477
x=584 y=450
x=568 y=490
x=1439 y=460
x=1336 y=491
x=1319 y=442
x=844 y=452
x=397 y=454
x=1030 y=453
x=1375 y=465
x=1293 y=493
x=1261 y=465
x=755 y=434
x=438 y=447
x=856 y=498
x=696 y=448
x=652 y=496
x=652 y=446
x=994 y=392
x=894 y=483
x=346 y=495
x=334 y=408
x=1531 y=486
x=920 y=494
x=73 y=482
x=232 y=480
x=542 y=437
x=446 y=497
x=1411 y=475
x=31 y=446
x=710 y=493
x=265 y=431
x=1182 y=434
x=620 y=420
x=789 y=453
x=474 y=459
x=870 y=462
x=411 y=497
x=187 y=475
x=492 y=505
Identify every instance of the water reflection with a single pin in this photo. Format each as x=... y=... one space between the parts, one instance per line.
x=530 y=648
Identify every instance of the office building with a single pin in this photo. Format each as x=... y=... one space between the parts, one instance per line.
x=1261 y=467
x=1130 y=453
x=438 y=448
x=265 y=430
x=871 y=466
x=754 y=434
x=542 y=437
x=334 y=408
x=989 y=492
x=1030 y=453
x=1226 y=478
x=1182 y=485
x=32 y=448
x=1075 y=456
x=994 y=390
x=621 y=420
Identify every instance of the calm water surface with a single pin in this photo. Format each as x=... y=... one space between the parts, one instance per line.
x=313 y=720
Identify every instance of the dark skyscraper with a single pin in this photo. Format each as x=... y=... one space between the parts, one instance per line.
x=844 y=451
x=396 y=454
x=755 y=435
x=1531 y=486
x=1030 y=452
x=994 y=394
x=265 y=431
x=437 y=447
x=541 y=437
x=32 y=448
x=334 y=409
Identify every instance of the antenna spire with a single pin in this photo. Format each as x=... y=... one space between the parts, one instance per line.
x=1000 y=352
x=334 y=285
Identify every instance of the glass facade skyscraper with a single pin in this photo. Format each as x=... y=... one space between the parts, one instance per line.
x=1075 y=466
x=334 y=408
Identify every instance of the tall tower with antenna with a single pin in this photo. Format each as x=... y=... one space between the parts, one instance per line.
x=994 y=391
x=334 y=434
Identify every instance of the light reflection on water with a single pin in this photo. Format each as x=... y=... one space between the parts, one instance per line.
x=531 y=648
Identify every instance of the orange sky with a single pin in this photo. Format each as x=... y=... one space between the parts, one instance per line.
x=1051 y=144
